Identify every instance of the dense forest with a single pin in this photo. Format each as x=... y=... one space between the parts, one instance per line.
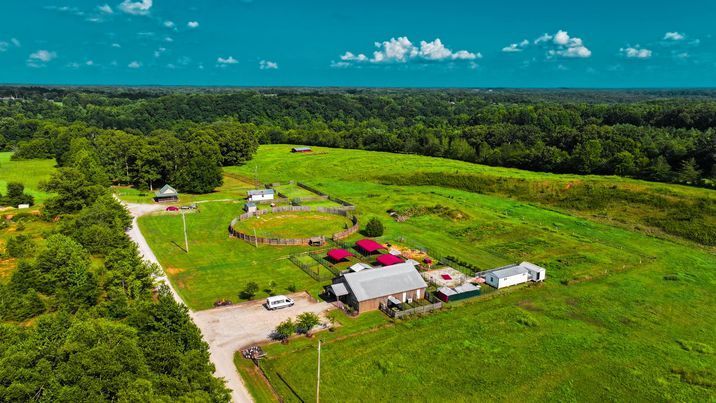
x=80 y=318
x=151 y=136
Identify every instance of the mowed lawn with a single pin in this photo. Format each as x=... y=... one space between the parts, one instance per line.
x=218 y=266
x=28 y=172
x=295 y=224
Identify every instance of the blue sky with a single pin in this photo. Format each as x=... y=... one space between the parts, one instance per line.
x=359 y=43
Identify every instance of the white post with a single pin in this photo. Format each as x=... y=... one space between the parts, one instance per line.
x=186 y=240
x=256 y=239
x=318 y=377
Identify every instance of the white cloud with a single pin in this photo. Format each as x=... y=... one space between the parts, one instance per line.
x=169 y=24
x=562 y=44
x=402 y=50
x=350 y=57
x=561 y=37
x=674 y=36
x=43 y=56
x=268 y=65
x=89 y=63
x=116 y=45
x=15 y=42
x=226 y=60
x=3 y=46
x=140 y=7
x=635 y=52
x=168 y=39
x=105 y=8
x=192 y=24
x=516 y=47
x=544 y=38
x=158 y=52
x=134 y=65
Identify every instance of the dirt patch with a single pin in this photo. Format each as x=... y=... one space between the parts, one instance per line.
x=454 y=277
x=173 y=271
x=529 y=306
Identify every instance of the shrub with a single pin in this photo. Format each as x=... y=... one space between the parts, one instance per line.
x=374 y=228
x=307 y=321
x=249 y=291
x=19 y=246
x=285 y=329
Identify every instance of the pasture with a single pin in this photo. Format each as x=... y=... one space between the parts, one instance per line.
x=626 y=312
x=30 y=173
x=633 y=306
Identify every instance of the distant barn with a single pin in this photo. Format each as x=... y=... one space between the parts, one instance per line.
x=301 y=150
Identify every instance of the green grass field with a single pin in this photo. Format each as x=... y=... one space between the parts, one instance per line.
x=626 y=313
x=293 y=224
x=28 y=172
x=218 y=266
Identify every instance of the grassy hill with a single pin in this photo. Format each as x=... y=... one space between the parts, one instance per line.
x=626 y=314
x=29 y=172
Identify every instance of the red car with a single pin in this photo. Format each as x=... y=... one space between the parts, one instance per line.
x=172 y=208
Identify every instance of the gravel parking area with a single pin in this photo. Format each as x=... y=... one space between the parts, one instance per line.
x=230 y=328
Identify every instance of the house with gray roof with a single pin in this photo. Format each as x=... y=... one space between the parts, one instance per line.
x=365 y=290
x=166 y=194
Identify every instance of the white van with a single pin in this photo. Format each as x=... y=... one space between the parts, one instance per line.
x=278 y=302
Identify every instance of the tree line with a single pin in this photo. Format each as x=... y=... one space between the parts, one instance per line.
x=81 y=319
x=668 y=139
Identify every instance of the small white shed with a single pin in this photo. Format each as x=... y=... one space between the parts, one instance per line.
x=261 y=194
x=507 y=276
x=537 y=273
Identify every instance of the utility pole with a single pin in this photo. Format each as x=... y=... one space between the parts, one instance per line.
x=186 y=240
x=318 y=378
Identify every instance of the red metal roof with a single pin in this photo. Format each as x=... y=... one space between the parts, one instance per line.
x=389 y=260
x=338 y=254
x=369 y=245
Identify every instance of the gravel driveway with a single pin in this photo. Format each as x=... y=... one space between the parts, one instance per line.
x=227 y=329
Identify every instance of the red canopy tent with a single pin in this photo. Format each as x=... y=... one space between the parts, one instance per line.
x=338 y=254
x=389 y=260
x=369 y=245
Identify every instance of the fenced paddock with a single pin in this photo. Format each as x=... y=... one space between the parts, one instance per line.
x=312 y=240
x=412 y=308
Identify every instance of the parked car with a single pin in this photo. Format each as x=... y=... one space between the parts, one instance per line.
x=278 y=302
x=172 y=208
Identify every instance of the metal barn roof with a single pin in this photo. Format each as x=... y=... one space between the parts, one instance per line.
x=259 y=192
x=339 y=289
x=374 y=283
x=166 y=190
x=509 y=271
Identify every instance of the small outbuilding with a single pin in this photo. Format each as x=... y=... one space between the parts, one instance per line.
x=360 y=267
x=369 y=246
x=166 y=194
x=389 y=260
x=301 y=150
x=338 y=255
x=515 y=274
x=250 y=207
x=464 y=291
x=368 y=289
x=261 y=194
